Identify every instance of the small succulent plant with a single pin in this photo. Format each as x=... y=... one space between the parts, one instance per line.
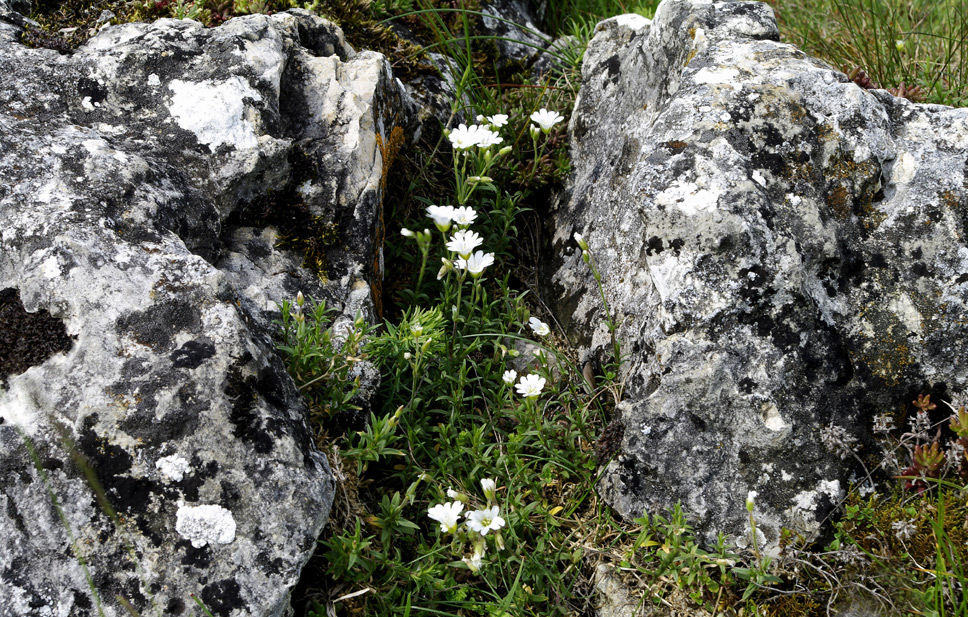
x=857 y=75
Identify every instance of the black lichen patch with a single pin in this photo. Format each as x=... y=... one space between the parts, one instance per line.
x=192 y=354
x=247 y=424
x=223 y=597
x=200 y=558
x=192 y=483
x=155 y=326
x=27 y=339
x=175 y=606
x=613 y=65
x=111 y=465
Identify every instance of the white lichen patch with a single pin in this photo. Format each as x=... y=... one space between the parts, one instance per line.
x=807 y=500
x=202 y=525
x=715 y=76
x=688 y=197
x=154 y=80
x=215 y=112
x=173 y=467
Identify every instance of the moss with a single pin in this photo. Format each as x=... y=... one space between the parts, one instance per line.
x=66 y=24
x=887 y=354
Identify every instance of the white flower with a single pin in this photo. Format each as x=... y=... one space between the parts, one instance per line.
x=474 y=561
x=498 y=120
x=480 y=119
x=530 y=386
x=442 y=216
x=452 y=493
x=406 y=233
x=446 y=514
x=509 y=376
x=580 y=239
x=476 y=263
x=539 y=327
x=489 y=487
x=464 y=216
x=416 y=329
x=546 y=119
x=485 y=520
x=487 y=138
x=464 y=138
x=535 y=131
x=464 y=242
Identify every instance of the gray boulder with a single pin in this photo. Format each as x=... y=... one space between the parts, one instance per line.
x=512 y=24
x=145 y=184
x=784 y=251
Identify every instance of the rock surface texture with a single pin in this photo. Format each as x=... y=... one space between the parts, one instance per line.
x=145 y=181
x=785 y=253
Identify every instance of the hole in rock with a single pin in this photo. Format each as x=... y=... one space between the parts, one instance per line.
x=27 y=339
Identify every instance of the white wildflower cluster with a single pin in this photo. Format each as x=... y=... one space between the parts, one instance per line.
x=904 y=530
x=883 y=424
x=544 y=120
x=462 y=243
x=539 y=327
x=477 y=523
x=837 y=440
x=530 y=386
x=921 y=425
x=955 y=456
x=465 y=137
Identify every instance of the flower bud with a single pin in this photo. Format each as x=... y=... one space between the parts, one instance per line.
x=504 y=151
x=406 y=233
x=586 y=256
x=300 y=299
x=580 y=239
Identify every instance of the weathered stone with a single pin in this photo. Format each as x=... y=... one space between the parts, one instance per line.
x=511 y=23
x=144 y=183
x=783 y=250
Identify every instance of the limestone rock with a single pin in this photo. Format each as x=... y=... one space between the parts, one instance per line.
x=513 y=24
x=785 y=253
x=145 y=182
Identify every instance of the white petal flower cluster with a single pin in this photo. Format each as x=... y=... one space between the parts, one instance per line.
x=498 y=120
x=464 y=242
x=442 y=216
x=447 y=514
x=466 y=137
x=464 y=216
x=539 y=327
x=509 y=376
x=477 y=523
x=530 y=386
x=485 y=520
x=546 y=119
x=475 y=263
